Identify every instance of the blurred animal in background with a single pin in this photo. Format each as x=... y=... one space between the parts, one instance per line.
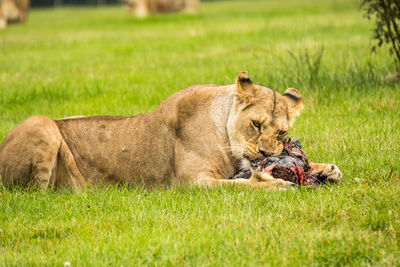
x=142 y=8
x=13 y=11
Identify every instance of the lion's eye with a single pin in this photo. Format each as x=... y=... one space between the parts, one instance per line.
x=256 y=124
x=282 y=133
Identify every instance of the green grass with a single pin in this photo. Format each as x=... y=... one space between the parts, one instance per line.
x=100 y=61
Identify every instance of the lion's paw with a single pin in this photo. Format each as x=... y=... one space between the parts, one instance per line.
x=330 y=173
x=262 y=179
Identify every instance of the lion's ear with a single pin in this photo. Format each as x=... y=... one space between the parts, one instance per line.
x=295 y=103
x=243 y=87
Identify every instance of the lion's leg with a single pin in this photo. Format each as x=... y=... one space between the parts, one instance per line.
x=68 y=172
x=257 y=179
x=3 y=23
x=32 y=153
x=3 y=18
x=329 y=171
x=43 y=164
x=139 y=8
x=56 y=166
x=190 y=6
x=28 y=153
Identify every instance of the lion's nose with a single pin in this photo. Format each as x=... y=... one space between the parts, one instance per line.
x=265 y=153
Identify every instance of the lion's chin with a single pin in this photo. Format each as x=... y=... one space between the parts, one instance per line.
x=245 y=164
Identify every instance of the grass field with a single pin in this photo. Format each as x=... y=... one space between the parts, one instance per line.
x=100 y=61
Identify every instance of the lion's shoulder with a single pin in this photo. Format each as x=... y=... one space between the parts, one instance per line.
x=189 y=103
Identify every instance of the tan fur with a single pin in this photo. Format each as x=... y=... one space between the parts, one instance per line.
x=13 y=11
x=142 y=8
x=330 y=171
x=199 y=135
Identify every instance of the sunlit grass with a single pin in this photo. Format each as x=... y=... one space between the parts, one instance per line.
x=100 y=61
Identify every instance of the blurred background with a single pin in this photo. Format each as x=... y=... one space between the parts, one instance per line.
x=50 y=3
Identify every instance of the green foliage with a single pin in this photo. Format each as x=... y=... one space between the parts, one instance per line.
x=100 y=61
x=387 y=24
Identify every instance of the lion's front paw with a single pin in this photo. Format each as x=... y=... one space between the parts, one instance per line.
x=328 y=172
x=262 y=179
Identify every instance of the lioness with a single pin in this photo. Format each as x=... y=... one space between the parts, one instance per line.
x=201 y=135
x=142 y=8
x=13 y=11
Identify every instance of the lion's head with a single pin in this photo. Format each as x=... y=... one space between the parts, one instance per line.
x=261 y=119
